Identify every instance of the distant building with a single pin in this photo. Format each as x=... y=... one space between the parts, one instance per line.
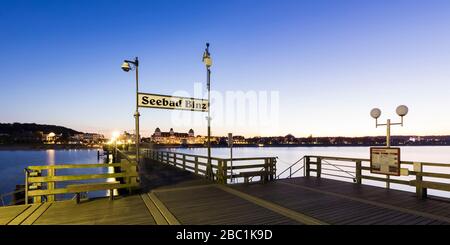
x=172 y=137
x=239 y=140
x=88 y=138
x=177 y=138
x=289 y=139
x=50 y=138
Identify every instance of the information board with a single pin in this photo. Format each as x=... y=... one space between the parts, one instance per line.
x=385 y=160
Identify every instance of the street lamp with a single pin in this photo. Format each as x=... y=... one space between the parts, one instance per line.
x=208 y=62
x=401 y=110
x=126 y=67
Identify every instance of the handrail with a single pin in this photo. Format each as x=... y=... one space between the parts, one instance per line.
x=290 y=168
x=34 y=180
x=71 y=166
x=418 y=173
x=122 y=154
x=431 y=164
x=193 y=164
x=9 y=194
x=340 y=169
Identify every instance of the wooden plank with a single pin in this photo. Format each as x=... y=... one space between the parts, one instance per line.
x=157 y=216
x=247 y=166
x=22 y=216
x=36 y=214
x=194 y=208
x=104 y=186
x=169 y=189
x=383 y=205
x=79 y=177
x=85 y=165
x=396 y=181
x=435 y=185
x=274 y=207
x=48 y=192
x=8 y=213
x=436 y=175
x=171 y=219
x=398 y=198
x=331 y=209
x=129 y=210
x=98 y=187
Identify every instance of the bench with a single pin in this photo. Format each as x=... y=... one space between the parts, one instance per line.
x=246 y=175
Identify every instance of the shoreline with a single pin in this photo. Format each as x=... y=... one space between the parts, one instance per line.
x=45 y=147
x=287 y=145
x=83 y=147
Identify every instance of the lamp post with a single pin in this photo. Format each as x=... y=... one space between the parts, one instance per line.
x=401 y=110
x=208 y=62
x=126 y=66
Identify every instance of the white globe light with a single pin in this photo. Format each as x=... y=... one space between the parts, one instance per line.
x=402 y=110
x=375 y=113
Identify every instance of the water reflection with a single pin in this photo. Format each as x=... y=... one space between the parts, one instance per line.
x=110 y=180
x=13 y=162
x=50 y=157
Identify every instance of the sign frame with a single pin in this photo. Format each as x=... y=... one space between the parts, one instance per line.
x=397 y=163
x=169 y=97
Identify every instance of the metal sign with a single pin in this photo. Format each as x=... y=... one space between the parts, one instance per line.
x=384 y=160
x=172 y=102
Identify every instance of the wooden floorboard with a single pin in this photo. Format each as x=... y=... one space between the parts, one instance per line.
x=7 y=214
x=433 y=205
x=211 y=205
x=124 y=210
x=334 y=209
x=154 y=175
x=175 y=196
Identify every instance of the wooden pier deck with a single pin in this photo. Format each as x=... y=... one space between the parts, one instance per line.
x=173 y=196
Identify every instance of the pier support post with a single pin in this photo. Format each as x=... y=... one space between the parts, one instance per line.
x=167 y=158
x=37 y=186
x=319 y=167
x=51 y=185
x=225 y=172
x=265 y=177
x=196 y=165
x=26 y=185
x=219 y=172
x=420 y=191
x=358 y=172
x=307 y=167
x=388 y=182
x=273 y=169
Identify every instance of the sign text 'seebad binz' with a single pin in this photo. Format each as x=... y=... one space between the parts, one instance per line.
x=172 y=102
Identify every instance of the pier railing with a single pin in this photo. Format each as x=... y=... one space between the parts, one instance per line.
x=419 y=175
x=40 y=181
x=225 y=170
x=10 y=198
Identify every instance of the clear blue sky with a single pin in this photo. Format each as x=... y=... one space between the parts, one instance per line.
x=331 y=61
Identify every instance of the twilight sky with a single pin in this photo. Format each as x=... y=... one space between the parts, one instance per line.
x=329 y=61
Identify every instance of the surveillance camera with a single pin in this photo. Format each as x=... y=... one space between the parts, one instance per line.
x=126 y=67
